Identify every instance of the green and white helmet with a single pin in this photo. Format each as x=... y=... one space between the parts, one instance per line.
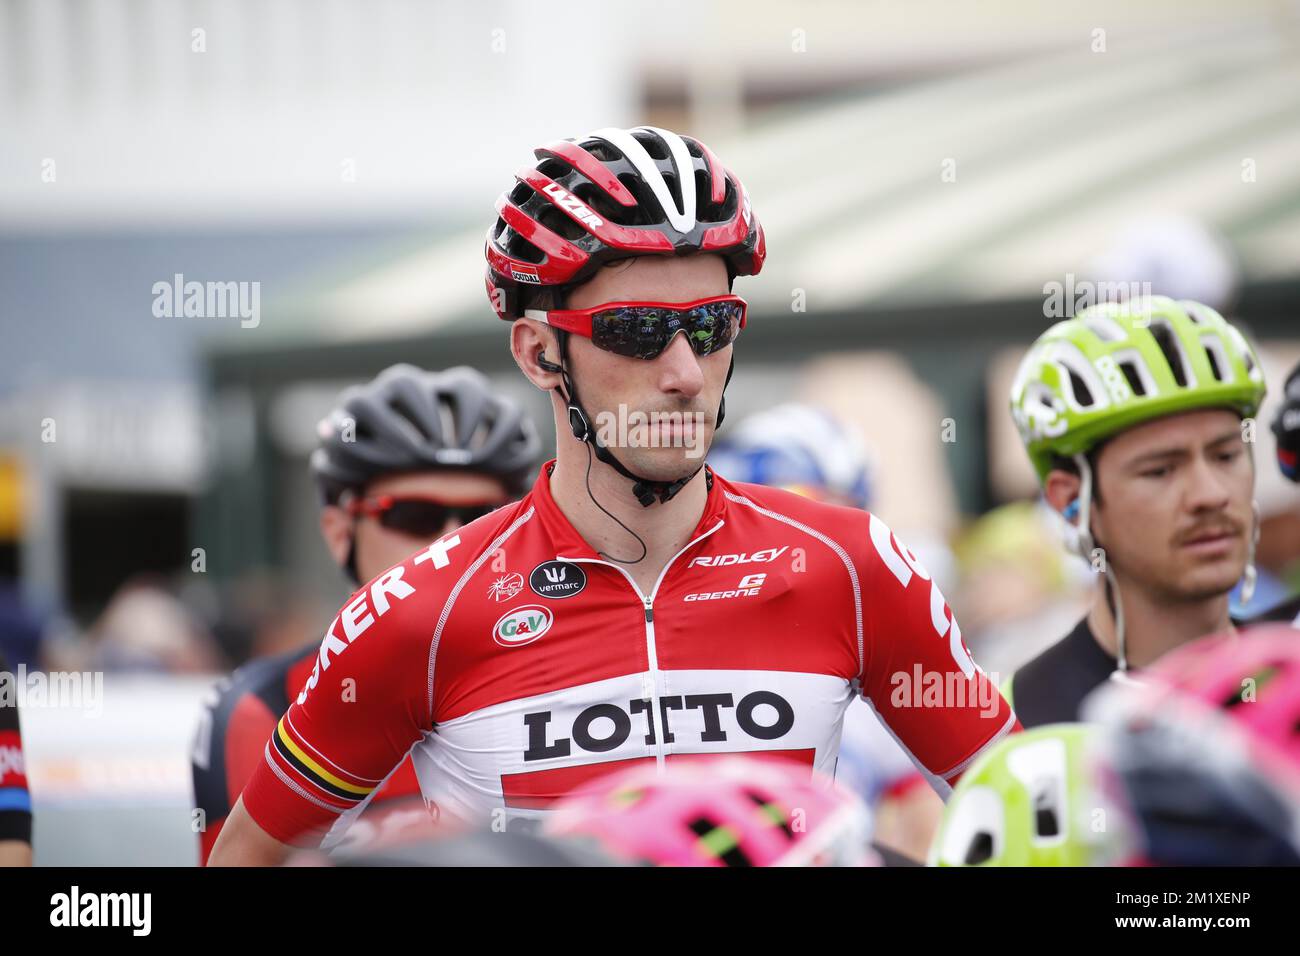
x=1117 y=365
x=1031 y=801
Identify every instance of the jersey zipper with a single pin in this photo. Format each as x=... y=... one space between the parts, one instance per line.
x=650 y=686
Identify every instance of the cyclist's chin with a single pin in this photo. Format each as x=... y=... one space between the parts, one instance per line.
x=664 y=464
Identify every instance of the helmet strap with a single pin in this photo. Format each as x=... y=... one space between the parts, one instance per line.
x=645 y=490
x=1084 y=545
x=1251 y=575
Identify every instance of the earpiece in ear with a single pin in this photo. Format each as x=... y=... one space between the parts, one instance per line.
x=1071 y=510
x=545 y=364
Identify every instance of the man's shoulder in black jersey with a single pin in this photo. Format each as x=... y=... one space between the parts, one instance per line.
x=1051 y=687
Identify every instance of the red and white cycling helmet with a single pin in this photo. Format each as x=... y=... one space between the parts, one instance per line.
x=1208 y=749
x=611 y=194
x=727 y=811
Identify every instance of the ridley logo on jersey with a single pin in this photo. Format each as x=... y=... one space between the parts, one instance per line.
x=522 y=626
x=722 y=560
x=557 y=579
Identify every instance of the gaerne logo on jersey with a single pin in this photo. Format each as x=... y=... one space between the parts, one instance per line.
x=723 y=560
x=522 y=626
x=750 y=586
x=572 y=205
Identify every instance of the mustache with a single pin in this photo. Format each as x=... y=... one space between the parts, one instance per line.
x=1223 y=525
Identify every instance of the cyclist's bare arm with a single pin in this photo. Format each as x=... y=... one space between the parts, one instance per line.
x=15 y=853
x=243 y=843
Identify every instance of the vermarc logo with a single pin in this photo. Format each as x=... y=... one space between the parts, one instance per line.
x=557 y=579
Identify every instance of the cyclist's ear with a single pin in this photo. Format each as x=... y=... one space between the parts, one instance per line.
x=336 y=528
x=1061 y=490
x=530 y=342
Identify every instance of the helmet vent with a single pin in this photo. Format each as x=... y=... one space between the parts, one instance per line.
x=674 y=188
x=599 y=200
x=602 y=150
x=980 y=849
x=518 y=247
x=411 y=418
x=1172 y=351
x=1082 y=394
x=721 y=841
x=1047 y=818
x=704 y=209
x=644 y=199
x=558 y=222
x=1134 y=379
x=554 y=168
x=653 y=144
x=772 y=812
x=1218 y=358
x=521 y=193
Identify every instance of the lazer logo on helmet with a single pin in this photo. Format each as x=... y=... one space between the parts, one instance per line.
x=723 y=560
x=759 y=715
x=572 y=205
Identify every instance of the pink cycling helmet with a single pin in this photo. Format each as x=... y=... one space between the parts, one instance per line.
x=725 y=811
x=1208 y=749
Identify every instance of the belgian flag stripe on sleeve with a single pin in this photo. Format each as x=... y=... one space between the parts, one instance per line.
x=297 y=759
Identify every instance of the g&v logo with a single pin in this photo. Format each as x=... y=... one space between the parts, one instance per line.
x=522 y=626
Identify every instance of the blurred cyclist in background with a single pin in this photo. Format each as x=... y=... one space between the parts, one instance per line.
x=404 y=459
x=1132 y=415
x=807 y=450
x=1286 y=429
x=1207 y=751
x=15 y=801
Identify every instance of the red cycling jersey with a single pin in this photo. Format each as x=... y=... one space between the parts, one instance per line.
x=239 y=714
x=513 y=664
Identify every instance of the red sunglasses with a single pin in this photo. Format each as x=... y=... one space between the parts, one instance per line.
x=418 y=516
x=643 y=329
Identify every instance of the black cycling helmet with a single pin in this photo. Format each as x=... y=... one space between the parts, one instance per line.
x=408 y=419
x=1286 y=426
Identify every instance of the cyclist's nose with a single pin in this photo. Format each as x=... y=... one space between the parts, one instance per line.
x=679 y=368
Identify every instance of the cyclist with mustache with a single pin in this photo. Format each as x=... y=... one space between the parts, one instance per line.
x=1132 y=415
x=635 y=607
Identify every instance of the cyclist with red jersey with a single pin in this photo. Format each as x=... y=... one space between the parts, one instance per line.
x=634 y=606
x=403 y=459
x=15 y=800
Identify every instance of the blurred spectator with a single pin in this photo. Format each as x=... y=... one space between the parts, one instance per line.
x=146 y=628
x=1019 y=588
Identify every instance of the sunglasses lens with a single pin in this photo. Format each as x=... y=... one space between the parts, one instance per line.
x=713 y=326
x=645 y=331
x=423 y=519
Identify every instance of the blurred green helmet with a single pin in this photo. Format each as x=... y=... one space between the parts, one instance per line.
x=1030 y=801
x=1117 y=365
